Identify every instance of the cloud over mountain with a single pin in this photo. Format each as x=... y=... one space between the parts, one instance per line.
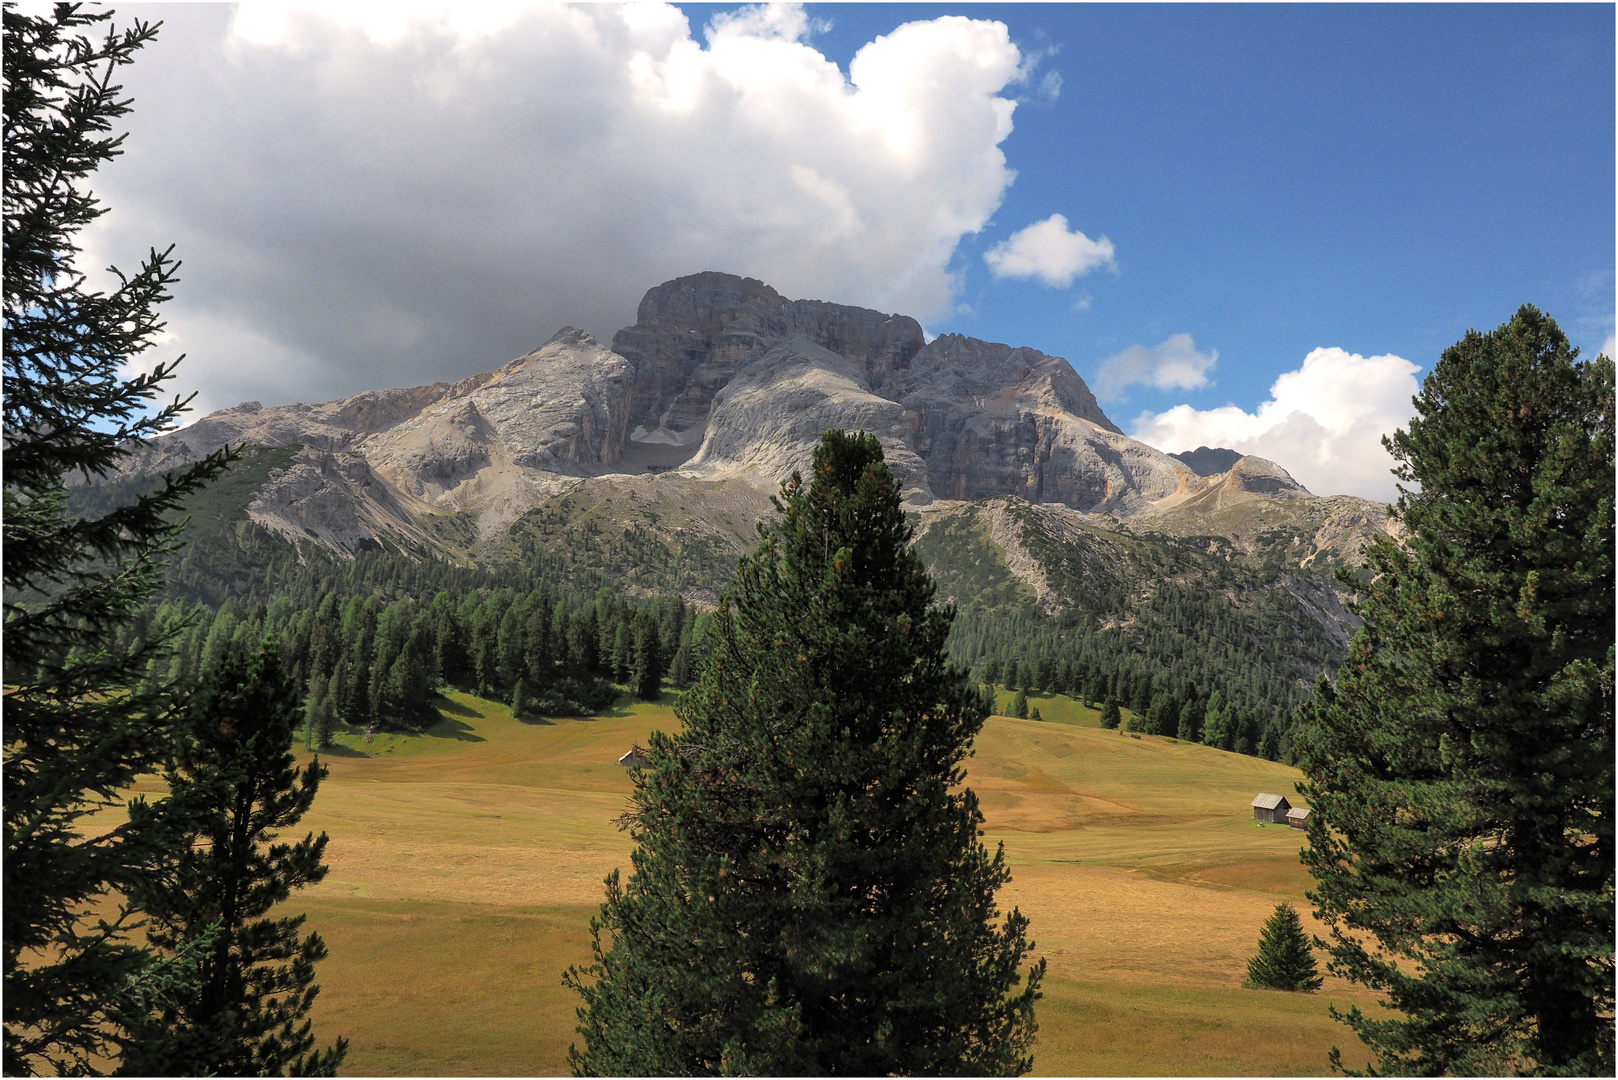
x=391 y=194
x=1174 y=365
x=1049 y=251
x=1325 y=421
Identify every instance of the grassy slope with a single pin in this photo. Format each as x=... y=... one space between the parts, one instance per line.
x=466 y=865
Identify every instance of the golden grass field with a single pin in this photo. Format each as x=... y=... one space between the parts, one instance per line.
x=466 y=863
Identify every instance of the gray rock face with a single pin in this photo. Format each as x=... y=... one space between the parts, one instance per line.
x=974 y=419
x=1208 y=460
x=331 y=497
x=332 y=425
x=719 y=377
x=992 y=420
x=560 y=409
x=766 y=421
x=692 y=334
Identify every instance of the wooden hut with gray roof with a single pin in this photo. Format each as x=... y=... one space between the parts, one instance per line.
x=1271 y=809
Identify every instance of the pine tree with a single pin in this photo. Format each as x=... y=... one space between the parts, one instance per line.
x=624 y=654
x=1111 y=715
x=234 y=785
x=1284 y=961
x=1157 y=716
x=647 y=668
x=1189 y=728
x=539 y=659
x=680 y=671
x=1019 y=705
x=1461 y=771
x=1216 y=723
x=79 y=727
x=809 y=892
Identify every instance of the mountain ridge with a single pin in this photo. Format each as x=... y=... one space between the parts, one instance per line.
x=720 y=377
x=652 y=469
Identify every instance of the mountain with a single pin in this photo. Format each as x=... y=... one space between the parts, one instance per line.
x=720 y=377
x=648 y=464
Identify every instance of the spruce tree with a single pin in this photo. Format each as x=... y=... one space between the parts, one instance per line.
x=809 y=892
x=234 y=786
x=1019 y=705
x=1111 y=715
x=1189 y=728
x=1285 y=960
x=680 y=670
x=647 y=667
x=81 y=721
x=1461 y=770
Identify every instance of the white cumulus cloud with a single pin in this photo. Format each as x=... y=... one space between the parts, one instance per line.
x=392 y=193
x=1047 y=250
x=1174 y=365
x=1323 y=423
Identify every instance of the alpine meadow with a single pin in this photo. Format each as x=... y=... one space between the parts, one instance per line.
x=737 y=684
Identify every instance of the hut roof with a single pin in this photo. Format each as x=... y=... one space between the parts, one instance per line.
x=634 y=759
x=1298 y=813
x=1270 y=802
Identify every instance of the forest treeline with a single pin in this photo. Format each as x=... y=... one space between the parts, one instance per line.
x=368 y=653
x=368 y=662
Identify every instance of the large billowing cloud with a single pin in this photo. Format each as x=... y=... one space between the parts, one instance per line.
x=1174 y=365
x=390 y=194
x=1049 y=251
x=1323 y=422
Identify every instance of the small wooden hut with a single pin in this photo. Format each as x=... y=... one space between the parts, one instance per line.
x=1271 y=809
x=1298 y=817
x=634 y=759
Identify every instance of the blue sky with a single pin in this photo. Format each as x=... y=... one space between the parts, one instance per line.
x=1248 y=226
x=1275 y=178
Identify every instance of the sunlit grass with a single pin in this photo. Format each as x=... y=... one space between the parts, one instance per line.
x=467 y=862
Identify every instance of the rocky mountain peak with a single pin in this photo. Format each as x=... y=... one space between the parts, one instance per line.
x=1207 y=460
x=692 y=334
x=723 y=377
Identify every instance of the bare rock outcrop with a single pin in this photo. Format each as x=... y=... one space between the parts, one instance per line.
x=766 y=421
x=1208 y=460
x=561 y=409
x=723 y=377
x=331 y=497
x=330 y=425
x=992 y=420
x=692 y=335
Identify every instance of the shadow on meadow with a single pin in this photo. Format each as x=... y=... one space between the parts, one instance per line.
x=451 y=728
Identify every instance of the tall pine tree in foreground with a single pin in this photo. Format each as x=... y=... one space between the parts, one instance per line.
x=810 y=894
x=80 y=720
x=1461 y=771
x=235 y=786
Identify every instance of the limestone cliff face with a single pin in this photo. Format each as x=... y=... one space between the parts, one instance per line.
x=720 y=377
x=766 y=421
x=560 y=409
x=961 y=418
x=334 y=498
x=693 y=334
x=992 y=420
x=332 y=425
